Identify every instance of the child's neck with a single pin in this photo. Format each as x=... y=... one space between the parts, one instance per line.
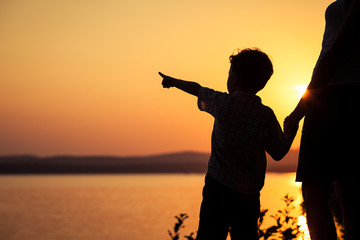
x=246 y=90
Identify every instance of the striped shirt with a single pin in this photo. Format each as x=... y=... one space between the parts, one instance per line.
x=243 y=130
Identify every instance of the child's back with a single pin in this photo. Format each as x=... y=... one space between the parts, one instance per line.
x=243 y=130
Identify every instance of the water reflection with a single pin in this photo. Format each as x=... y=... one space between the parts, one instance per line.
x=112 y=206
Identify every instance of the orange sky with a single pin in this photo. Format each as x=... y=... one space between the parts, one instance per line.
x=80 y=76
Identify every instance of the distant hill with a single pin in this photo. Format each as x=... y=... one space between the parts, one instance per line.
x=287 y=164
x=183 y=162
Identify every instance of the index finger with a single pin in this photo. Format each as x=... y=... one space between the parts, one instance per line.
x=162 y=75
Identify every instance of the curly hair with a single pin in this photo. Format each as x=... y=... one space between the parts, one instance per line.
x=253 y=67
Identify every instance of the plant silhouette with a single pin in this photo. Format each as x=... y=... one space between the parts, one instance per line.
x=175 y=235
x=286 y=225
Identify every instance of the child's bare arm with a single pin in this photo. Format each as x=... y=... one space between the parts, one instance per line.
x=189 y=87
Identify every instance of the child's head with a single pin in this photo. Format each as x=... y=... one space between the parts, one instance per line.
x=250 y=70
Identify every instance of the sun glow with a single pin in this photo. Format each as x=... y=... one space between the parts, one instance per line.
x=303 y=227
x=301 y=89
x=103 y=55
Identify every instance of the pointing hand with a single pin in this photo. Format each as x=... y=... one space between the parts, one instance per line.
x=167 y=81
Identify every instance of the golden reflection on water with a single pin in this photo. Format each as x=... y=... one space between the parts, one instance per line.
x=114 y=206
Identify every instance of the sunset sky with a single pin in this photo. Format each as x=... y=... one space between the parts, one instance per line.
x=79 y=77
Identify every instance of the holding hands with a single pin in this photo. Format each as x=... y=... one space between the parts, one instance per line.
x=291 y=123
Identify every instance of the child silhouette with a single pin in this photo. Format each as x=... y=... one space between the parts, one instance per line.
x=243 y=130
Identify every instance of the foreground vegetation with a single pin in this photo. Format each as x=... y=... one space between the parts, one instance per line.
x=286 y=226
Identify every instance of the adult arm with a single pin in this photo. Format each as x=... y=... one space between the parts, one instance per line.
x=327 y=65
x=345 y=40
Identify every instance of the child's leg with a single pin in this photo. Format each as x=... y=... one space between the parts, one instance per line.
x=245 y=215
x=213 y=220
x=211 y=227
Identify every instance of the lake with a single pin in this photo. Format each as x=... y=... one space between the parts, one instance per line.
x=109 y=207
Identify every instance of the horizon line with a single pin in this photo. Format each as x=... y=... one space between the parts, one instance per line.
x=113 y=155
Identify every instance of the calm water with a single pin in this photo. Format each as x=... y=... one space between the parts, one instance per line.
x=106 y=207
